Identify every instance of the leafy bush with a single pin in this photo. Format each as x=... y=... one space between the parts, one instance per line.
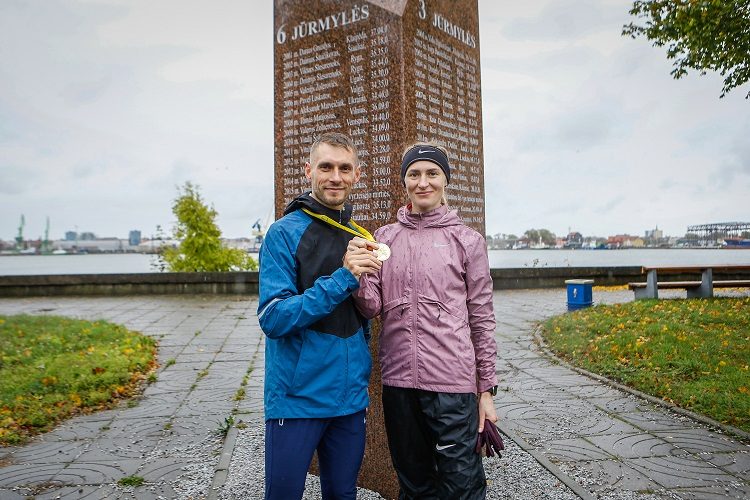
x=201 y=249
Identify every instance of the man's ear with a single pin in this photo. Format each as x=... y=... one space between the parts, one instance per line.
x=308 y=170
x=357 y=173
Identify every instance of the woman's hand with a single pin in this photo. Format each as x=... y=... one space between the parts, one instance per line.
x=486 y=410
x=358 y=242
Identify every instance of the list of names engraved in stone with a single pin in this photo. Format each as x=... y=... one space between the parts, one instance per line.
x=309 y=108
x=447 y=110
x=342 y=84
x=370 y=109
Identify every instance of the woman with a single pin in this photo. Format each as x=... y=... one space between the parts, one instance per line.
x=437 y=347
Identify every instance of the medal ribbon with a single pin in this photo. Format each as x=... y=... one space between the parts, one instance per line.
x=360 y=231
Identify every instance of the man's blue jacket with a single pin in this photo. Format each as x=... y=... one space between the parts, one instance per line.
x=317 y=357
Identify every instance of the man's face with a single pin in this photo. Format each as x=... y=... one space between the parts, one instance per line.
x=333 y=172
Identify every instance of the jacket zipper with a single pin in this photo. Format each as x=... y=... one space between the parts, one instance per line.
x=415 y=306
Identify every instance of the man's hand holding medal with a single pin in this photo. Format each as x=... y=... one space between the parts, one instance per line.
x=363 y=256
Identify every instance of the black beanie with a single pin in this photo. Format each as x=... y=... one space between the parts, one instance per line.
x=428 y=153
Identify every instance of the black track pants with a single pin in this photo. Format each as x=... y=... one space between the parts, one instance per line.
x=432 y=436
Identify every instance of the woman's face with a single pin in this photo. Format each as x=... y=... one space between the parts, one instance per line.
x=425 y=186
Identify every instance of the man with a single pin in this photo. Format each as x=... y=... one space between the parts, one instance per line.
x=317 y=358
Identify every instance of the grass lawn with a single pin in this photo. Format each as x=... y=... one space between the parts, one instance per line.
x=53 y=367
x=694 y=353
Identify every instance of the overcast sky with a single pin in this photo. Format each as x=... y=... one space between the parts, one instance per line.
x=107 y=105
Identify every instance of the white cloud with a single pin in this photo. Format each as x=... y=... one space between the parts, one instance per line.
x=114 y=103
x=586 y=129
x=107 y=105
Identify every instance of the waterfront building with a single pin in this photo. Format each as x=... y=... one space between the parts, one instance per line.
x=625 y=241
x=573 y=240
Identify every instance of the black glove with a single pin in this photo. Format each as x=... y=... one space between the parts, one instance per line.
x=490 y=439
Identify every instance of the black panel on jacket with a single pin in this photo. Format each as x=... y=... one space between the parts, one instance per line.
x=320 y=252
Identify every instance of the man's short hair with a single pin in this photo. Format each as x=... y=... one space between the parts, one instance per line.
x=337 y=140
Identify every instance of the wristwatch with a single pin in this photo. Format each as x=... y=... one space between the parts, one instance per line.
x=492 y=391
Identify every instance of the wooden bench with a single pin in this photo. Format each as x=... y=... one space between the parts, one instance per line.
x=703 y=288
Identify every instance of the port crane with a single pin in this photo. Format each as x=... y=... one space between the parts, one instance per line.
x=259 y=231
x=19 y=238
x=45 y=242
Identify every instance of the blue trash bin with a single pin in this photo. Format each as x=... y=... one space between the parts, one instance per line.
x=579 y=293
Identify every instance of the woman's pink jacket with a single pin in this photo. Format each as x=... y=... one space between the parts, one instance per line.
x=434 y=296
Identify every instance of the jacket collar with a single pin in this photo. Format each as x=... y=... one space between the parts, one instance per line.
x=439 y=217
x=307 y=201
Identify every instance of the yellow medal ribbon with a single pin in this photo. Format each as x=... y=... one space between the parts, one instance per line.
x=362 y=232
x=382 y=253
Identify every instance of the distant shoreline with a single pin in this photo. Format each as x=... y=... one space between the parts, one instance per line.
x=3 y=254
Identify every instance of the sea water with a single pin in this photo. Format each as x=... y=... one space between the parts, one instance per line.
x=144 y=263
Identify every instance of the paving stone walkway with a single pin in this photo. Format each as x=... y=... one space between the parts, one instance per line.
x=605 y=440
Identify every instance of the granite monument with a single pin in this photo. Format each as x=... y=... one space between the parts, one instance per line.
x=387 y=73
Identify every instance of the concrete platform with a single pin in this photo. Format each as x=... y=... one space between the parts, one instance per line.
x=607 y=442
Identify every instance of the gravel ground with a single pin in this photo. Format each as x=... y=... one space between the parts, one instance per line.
x=515 y=476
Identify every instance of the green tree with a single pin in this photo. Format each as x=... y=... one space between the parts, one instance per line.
x=200 y=248
x=548 y=237
x=536 y=236
x=532 y=235
x=699 y=34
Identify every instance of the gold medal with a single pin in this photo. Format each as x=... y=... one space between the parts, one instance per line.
x=383 y=252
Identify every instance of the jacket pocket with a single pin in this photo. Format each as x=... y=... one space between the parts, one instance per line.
x=392 y=304
x=455 y=316
x=320 y=369
x=360 y=365
x=396 y=341
x=445 y=352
